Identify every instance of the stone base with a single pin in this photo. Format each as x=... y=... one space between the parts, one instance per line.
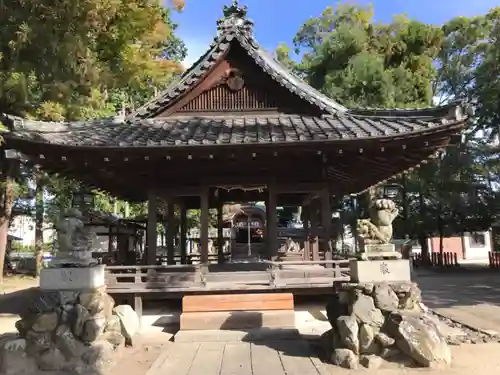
x=69 y=332
x=378 y=251
x=81 y=258
x=385 y=321
x=250 y=335
x=373 y=271
x=73 y=278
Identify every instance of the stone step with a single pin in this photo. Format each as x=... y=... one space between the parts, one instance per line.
x=251 y=335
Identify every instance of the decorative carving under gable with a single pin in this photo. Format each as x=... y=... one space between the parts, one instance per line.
x=233 y=94
x=233 y=79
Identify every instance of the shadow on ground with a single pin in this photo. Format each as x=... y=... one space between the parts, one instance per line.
x=287 y=341
x=466 y=288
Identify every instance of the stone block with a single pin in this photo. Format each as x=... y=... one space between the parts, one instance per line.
x=73 y=278
x=248 y=335
x=376 y=250
x=374 y=271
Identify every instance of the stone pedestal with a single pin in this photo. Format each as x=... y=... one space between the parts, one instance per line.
x=378 y=251
x=69 y=325
x=80 y=258
x=377 y=322
x=73 y=278
x=374 y=271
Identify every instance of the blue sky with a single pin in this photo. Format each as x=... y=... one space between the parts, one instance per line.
x=278 y=20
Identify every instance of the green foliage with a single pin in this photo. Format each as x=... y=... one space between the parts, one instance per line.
x=66 y=60
x=362 y=63
x=60 y=60
x=282 y=54
x=407 y=63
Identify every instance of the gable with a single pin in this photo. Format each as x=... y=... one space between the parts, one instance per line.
x=236 y=84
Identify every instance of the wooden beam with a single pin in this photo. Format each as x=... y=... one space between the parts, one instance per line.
x=151 y=231
x=204 y=225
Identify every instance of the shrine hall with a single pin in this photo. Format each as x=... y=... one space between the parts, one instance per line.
x=238 y=126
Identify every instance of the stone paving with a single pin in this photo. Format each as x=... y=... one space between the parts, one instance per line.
x=472 y=298
x=292 y=357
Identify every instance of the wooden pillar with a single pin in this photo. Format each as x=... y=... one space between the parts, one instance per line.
x=220 y=233
x=306 y=217
x=326 y=218
x=171 y=226
x=151 y=235
x=313 y=206
x=204 y=225
x=272 y=221
x=183 y=235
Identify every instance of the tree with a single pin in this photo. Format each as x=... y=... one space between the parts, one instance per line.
x=282 y=54
x=79 y=60
x=361 y=63
x=407 y=63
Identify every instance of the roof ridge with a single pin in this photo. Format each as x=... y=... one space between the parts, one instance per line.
x=235 y=26
x=175 y=89
x=457 y=110
x=296 y=85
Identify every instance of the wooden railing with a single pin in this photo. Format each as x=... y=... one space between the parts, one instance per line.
x=446 y=259
x=152 y=277
x=130 y=279
x=282 y=273
x=494 y=259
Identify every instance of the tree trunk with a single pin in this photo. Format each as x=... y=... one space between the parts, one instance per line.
x=441 y=235
x=7 y=196
x=39 y=211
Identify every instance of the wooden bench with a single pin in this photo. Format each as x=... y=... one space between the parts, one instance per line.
x=237 y=311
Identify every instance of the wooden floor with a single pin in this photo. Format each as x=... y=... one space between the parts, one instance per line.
x=292 y=357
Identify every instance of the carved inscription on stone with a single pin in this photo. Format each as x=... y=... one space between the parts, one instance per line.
x=384 y=269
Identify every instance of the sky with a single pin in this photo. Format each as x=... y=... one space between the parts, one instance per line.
x=277 y=21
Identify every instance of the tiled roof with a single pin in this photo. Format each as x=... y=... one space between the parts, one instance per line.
x=196 y=131
x=141 y=129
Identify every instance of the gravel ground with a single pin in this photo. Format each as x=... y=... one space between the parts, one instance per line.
x=467 y=359
x=469 y=336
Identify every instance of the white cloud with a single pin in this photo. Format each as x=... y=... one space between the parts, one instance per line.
x=196 y=47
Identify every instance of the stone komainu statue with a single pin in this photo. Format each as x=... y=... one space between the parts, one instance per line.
x=72 y=240
x=378 y=229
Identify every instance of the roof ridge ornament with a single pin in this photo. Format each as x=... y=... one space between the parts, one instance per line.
x=235 y=19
